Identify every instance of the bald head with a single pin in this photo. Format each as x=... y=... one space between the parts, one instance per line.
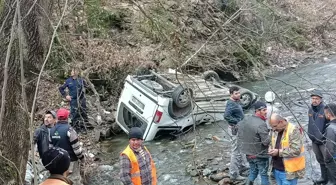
x=277 y=122
x=277 y=117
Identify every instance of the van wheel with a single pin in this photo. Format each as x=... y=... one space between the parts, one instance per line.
x=176 y=112
x=182 y=96
x=208 y=75
x=246 y=99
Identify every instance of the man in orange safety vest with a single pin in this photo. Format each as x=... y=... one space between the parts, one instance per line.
x=137 y=165
x=287 y=151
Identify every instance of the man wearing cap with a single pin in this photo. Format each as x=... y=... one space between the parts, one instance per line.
x=57 y=162
x=41 y=135
x=137 y=165
x=64 y=136
x=254 y=139
x=330 y=146
x=316 y=127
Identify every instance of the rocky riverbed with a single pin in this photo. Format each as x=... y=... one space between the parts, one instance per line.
x=202 y=156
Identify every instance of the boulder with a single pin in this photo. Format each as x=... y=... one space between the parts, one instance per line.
x=219 y=176
x=225 y=181
x=104 y=175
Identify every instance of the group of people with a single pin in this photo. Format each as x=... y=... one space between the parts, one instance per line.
x=58 y=144
x=137 y=165
x=61 y=153
x=264 y=142
x=269 y=145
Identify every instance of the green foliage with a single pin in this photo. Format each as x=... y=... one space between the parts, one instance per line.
x=160 y=26
x=101 y=20
x=250 y=49
x=294 y=36
x=59 y=58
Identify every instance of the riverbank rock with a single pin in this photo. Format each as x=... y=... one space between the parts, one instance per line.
x=192 y=171
x=225 y=181
x=219 y=176
x=104 y=175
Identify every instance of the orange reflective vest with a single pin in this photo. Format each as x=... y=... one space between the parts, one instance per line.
x=53 y=182
x=135 y=171
x=292 y=164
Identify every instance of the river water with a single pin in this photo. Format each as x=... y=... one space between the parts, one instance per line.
x=173 y=155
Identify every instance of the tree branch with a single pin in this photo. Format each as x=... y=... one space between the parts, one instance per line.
x=8 y=54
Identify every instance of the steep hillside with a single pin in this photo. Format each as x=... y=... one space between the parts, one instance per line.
x=238 y=38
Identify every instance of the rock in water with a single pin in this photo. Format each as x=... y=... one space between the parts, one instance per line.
x=104 y=175
x=219 y=176
x=206 y=172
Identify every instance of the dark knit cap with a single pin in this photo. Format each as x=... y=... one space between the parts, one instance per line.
x=316 y=93
x=56 y=160
x=135 y=132
x=53 y=113
x=259 y=105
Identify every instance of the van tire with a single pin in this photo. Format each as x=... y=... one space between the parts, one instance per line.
x=208 y=75
x=176 y=112
x=182 y=96
x=248 y=98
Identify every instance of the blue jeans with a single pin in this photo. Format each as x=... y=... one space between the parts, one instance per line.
x=259 y=166
x=280 y=178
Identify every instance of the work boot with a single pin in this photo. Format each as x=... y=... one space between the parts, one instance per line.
x=238 y=178
x=324 y=176
x=332 y=172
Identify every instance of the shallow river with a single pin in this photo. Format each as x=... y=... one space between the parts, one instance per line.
x=172 y=156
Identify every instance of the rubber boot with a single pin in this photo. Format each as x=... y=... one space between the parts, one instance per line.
x=332 y=172
x=324 y=176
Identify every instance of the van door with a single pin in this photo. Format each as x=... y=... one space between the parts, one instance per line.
x=137 y=106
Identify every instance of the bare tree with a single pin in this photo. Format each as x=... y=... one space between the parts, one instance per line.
x=22 y=38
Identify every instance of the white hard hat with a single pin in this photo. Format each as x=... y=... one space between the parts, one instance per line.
x=269 y=96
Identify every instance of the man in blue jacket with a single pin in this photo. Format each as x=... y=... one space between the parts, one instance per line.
x=76 y=97
x=316 y=127
x=234 y=114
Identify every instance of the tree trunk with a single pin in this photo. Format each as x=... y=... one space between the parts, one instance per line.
x=14 y=133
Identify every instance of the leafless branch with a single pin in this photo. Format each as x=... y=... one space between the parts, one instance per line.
x=8 y=54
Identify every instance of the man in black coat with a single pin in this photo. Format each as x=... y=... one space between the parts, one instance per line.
x=316 y=127
x=41 y=135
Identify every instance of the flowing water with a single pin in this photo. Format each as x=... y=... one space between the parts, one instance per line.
x=172 y=156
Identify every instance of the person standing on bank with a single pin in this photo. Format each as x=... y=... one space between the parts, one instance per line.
x=41 y=135
x=287 y=151
x=330 y=142
x=76 y=86
x=316 y=127
x=254 y=139
x=137 y=165
x=62 y=135
x=234 y=114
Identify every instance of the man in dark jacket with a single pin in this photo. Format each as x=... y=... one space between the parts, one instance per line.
x=62 y=135
x=234 y=114
x=316 y=127
x=76 y=86
x=330 y=143
x=254 y=139
x=41 y=135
